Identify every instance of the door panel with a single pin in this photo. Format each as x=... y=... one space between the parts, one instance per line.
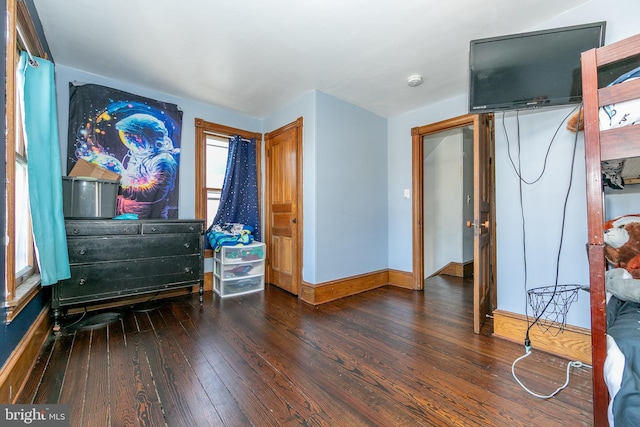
x=283 y=201
x=482 y=277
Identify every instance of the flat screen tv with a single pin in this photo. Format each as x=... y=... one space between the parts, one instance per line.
x=530 y=70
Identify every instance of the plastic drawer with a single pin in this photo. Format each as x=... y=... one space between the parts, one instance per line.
x=233 y=287
x=242 y=253
x=232 y=271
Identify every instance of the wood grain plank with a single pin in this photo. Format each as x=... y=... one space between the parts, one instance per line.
x=52 y=379
x=129 y=322
x=143 y=321
x=75 y=382
x=96 y=409
x=182 y=397
x=30 y=389
x=180 y=309
x=122 y=390
x=132 y=400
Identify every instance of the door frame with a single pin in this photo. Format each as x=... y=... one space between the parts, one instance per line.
x=297 y=214
x=417 y=208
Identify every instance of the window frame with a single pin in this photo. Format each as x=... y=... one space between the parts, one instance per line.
x=204 y=128
x=21 y=35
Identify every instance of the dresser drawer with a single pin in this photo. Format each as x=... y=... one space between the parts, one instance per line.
x=93 y=282
x=172 y=228
x=101 y=228
x=113 y=248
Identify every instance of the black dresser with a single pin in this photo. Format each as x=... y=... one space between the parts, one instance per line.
x=113 y=259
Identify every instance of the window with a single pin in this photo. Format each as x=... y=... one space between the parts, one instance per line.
x=211 y=159
x=216 y=161
x=23 y=238
x=22 y=278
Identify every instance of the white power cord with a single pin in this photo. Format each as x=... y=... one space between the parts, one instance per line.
x=575 y=364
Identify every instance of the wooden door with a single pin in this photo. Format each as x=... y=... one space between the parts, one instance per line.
x=484 y=262
x=482 y=195
x=283 y=206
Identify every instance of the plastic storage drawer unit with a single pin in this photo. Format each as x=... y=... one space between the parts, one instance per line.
x=239 y=269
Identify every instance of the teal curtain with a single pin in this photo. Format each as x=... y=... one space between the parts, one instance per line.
x=36 y=83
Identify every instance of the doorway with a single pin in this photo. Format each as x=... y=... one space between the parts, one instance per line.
x=448 y=202
x=481 y=223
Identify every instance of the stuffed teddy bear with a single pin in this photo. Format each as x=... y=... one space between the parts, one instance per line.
x=622 y=243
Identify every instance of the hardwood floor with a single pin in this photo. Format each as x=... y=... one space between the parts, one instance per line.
x=387 y=357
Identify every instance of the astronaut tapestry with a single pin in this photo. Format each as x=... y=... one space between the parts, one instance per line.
x=137 y=137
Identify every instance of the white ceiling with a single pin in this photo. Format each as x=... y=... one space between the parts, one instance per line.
x=257 y=56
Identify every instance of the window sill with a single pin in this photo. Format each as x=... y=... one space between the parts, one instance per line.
x=24 y=294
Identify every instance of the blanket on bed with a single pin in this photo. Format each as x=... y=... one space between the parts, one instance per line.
x=623 y=325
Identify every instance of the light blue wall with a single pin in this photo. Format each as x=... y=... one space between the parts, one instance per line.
x=344 y=181
x=467 y=195
x=399 y=168
x=304 y=107
x=351 y=190
x=543 y=210
x=442 y=199
x=191 y=110
x=622 y=202
x=544 y=200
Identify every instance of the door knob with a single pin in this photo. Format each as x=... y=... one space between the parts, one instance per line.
x=295 y=221
x=472 y=224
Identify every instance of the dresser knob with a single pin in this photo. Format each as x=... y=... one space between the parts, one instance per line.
x=191 y=228
x=82 y=251
x=153 y=229
x=75 y=231
x=82 y=282
x=187 y=245
x=188 y=270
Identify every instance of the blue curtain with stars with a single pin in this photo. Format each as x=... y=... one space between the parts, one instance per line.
x=239 y=198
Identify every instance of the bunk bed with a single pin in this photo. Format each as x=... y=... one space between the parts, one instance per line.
x=604 y=145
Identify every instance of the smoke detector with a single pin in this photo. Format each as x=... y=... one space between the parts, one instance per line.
x=414 y=81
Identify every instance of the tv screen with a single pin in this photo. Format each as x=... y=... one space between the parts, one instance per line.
x=530 y=70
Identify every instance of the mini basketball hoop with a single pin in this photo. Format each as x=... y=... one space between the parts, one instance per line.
x=550 y=305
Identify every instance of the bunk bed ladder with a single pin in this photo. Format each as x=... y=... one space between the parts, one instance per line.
x=600 y=146
x=595 y=245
